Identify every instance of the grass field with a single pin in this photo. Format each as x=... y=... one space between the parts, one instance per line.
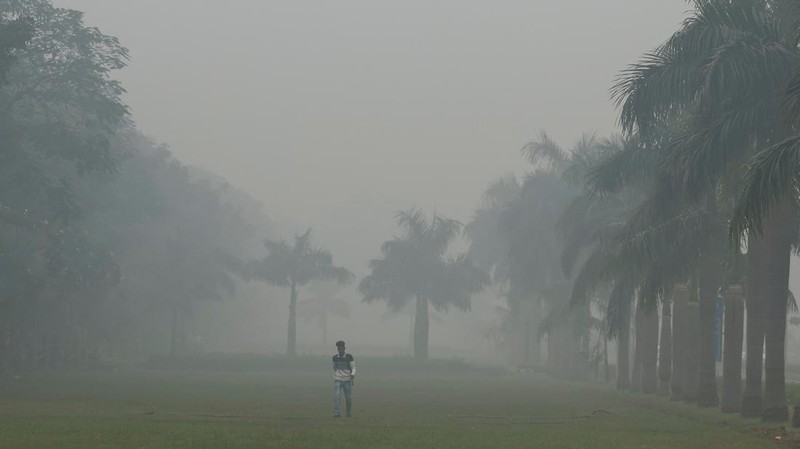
x=398 y=404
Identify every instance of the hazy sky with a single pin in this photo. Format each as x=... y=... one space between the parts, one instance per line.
x=338 y=113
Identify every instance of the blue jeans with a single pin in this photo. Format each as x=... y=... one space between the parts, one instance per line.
x=338 y=386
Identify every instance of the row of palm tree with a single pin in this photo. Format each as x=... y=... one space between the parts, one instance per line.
x=698 y=196
x=414 y=267
x=726 y=78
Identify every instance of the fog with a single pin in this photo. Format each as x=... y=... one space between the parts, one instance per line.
x=528 y=223
x=336 y=115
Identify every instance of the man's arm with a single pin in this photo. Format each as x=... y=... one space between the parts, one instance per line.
x=352 y=367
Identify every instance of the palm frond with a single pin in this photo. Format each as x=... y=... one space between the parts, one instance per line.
x=625 y=164
x=414 y=265
x=545 y=150
x=302 y=242
x=583 y=156
x=769 y=176
x=687 y=233
x=413 y=220
x=654 y=89
x=596 y=270
x=721 y=19
x=791 y=97
x=459 y=279
x=752 y=68
x=575 y=229
x=443 y=231
x=298 y=264
x=788 y=15
x=722 y=45
x=699 y=157
x=501 y=191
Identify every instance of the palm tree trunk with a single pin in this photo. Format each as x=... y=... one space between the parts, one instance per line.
x=526 y=334
x=4 y=349
x=680 y=300
x=291 y=338
x=623 y=347
x=175 y=335
x=606 y=377
x=535 y=321
x=421 y=325
x=754 y=301
x=324 y=325
x=563 y=347
x=778 y=230
x=692 y=328
x=650 y=350
x=531 y=345
x=732 y=356
x=636 y=372
x=665 y=349
x=411 y=331
x=583 y=354
x=710 y=278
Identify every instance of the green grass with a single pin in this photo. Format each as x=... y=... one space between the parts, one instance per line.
x=398 y=404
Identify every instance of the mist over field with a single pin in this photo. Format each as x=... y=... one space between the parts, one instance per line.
x=337 y=115
x=504 y=216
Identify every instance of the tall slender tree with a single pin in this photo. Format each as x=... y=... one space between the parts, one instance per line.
x=415 y=266
x=294 y=266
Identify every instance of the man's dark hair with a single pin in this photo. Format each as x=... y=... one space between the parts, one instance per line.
x=339 y=343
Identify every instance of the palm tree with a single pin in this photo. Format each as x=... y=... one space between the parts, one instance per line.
x=415 y=266
x=510 y=235
x=722 y=74
x=537 y=226
x=294 y=266
x=611 y=176
x=489 y=248
x=600 y=236
x=654 y=240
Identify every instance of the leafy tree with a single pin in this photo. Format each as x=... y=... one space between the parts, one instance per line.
x=107 y=243
x=293 y=266
x=415 y=266
x=176 y=236
x=14 y=36
x=60 y=110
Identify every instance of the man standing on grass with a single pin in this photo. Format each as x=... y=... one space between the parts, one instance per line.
x=344 y=372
